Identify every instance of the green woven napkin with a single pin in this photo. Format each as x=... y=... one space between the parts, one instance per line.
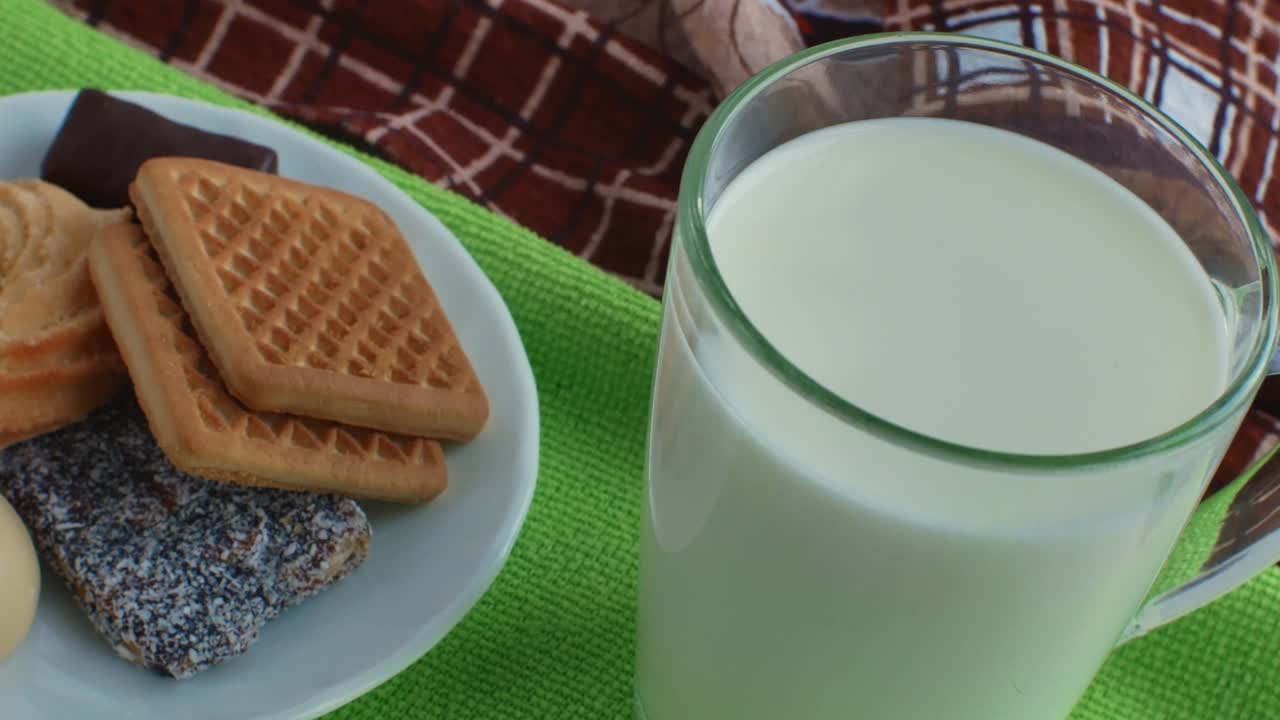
x=554 y=636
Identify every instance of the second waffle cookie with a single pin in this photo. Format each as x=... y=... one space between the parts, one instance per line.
x=206 y=432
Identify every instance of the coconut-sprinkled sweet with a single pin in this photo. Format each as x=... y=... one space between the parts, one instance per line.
x=178 y=573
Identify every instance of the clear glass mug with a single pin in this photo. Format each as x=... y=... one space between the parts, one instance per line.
x=763 y=595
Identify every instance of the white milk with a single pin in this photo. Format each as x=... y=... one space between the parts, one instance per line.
x=966 y=283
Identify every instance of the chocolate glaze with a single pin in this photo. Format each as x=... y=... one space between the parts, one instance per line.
x=104 y=140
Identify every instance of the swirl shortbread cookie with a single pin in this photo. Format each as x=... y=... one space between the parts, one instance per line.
x=57 y=358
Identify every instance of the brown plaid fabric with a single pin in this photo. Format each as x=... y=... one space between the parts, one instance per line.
x=526 y=107
x=554 y=118
x=1212 y=66
x=572 y=117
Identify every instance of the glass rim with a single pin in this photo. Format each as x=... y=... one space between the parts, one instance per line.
x=691 y=224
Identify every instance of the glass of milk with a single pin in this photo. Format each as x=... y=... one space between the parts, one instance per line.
x=954 y=335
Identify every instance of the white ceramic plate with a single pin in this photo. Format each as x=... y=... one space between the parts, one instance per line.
x=428 y=565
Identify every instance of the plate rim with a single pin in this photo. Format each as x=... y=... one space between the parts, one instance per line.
x=434 y=629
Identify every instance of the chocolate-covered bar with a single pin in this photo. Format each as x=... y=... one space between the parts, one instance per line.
x=104 y=140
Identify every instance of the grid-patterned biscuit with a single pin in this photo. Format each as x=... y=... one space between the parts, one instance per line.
x=309 y=300
x=207 y=432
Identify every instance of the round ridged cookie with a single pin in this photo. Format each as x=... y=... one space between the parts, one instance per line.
x=57 y=359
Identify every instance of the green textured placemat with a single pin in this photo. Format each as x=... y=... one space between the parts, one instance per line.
x=553 y=637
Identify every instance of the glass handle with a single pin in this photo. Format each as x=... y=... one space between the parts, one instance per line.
x=1233 y=536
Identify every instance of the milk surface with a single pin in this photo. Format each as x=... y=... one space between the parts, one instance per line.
x=966 y=283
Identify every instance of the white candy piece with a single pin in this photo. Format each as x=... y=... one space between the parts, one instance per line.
x=19 y=581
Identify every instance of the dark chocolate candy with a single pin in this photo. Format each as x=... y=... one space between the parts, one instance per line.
x=104 y=140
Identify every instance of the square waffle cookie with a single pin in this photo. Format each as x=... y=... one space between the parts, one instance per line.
x=309 y=300
x=207 y=432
